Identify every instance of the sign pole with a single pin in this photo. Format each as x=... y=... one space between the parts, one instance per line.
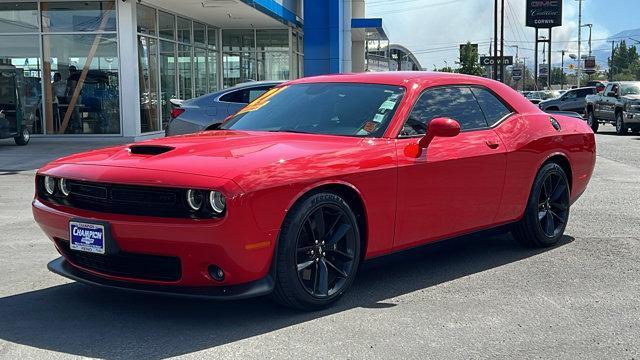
x=535 y=63
x=495 y=39
x=550 y=67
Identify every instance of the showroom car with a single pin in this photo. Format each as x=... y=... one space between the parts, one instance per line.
x=290 y=195
x=197 y=114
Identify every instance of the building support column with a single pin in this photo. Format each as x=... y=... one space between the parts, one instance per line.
x=129 y=82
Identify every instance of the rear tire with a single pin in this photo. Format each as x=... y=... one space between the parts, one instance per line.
x=318 y=252
x=592 y=122
x=547 y=211
x=23 y=138
x=621 y=127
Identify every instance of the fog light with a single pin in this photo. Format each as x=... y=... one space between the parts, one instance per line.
x=49 y=185
x=216 y=273
x=194 y=199
x=64 y=187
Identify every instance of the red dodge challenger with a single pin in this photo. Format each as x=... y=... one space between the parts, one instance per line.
x=291 y=194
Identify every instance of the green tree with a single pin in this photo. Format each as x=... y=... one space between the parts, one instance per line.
x=469 y=63
x=625 y=63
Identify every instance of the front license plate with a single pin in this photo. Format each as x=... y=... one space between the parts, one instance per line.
x=86 y=237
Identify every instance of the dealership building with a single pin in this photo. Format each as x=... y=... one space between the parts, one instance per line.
x=88 y=68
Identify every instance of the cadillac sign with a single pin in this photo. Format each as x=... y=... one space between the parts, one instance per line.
x=544 y=13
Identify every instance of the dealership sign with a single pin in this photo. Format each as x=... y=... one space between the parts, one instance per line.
x=544 y=13
x=516 y=74
x=490 y=60
x=590 y=65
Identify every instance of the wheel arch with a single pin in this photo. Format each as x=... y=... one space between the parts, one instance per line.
x=562 y=160
x=354 y=199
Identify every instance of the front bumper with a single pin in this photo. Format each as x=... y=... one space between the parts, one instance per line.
x=234 y=244
x=632 y=117
x=260 y=287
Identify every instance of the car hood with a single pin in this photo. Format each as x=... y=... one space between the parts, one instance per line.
x=632 y=97
x=226 y=154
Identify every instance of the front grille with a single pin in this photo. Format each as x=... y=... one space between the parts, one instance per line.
x=123 y=199
x=123 y=264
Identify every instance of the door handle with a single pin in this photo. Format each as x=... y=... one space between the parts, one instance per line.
x=492 y=144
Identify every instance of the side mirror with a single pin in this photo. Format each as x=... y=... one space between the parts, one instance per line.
x=612 y=94
x=438 y=127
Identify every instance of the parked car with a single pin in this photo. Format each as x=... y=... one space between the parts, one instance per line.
x=618 y=104
x=197 y=114
x=292 y=193
x=573 y=100
x=12 y=114
x=537 y=97
x=598 y=84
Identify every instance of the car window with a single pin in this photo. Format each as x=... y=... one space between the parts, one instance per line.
x=631 y=89
x=614 y=88
x=570 y=95
x=254 y=93
x=492 y=107
x=347 y=109
x=456 y=102
x=234 y=97
x=584 y=92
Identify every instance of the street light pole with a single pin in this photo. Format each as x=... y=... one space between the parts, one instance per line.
x=579 y=40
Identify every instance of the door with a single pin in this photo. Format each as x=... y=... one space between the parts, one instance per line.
x=569 y=101
x=455 y=186
x=606 y=106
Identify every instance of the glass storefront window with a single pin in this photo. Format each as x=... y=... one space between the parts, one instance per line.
x=167 y=79
x=166 y=25
x=238 y=40
x=20 y=82
x=273 y=66
x=212 y=38
x=81 y=71
x=184 y=30
x=146 y=20
x=200 y=71
x=199 y=34
x=148 y=70
x=269 y=40
x=184 y=71
x=238 y=67
x=17 y=17
x=70 y=16
x=212 y=64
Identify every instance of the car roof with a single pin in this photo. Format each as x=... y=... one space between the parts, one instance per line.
x=399 y=78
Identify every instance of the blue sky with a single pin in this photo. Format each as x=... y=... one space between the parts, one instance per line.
x=432 y=29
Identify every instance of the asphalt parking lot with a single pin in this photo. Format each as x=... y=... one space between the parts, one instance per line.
x=480 y=297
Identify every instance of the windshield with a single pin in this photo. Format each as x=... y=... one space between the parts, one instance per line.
x=348 y=109
x=630 y=88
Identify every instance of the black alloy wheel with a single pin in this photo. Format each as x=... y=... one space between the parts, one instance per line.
x=552 y=205
x=547 y=210
x=318 y=252
x=325 y=251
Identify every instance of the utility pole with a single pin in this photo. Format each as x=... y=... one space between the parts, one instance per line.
x=613 y=44
x=524 y=73
x=495 y=40
x=562 y=69
x=579 y=41
x=502 y=41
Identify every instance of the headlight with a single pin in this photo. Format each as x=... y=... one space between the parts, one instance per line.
x=64 y=187
x=217 y=202
x=49 y=185
x=194 y=199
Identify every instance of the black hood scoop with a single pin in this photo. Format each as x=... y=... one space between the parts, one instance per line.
x=149 y=149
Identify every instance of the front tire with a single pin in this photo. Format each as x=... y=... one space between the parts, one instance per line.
x=592 y=122
x=318 y=252
x=23 y=138
x=547 y=211
x=621 y=127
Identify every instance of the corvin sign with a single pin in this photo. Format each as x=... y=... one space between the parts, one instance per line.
x=544 y=13
x=490 y=60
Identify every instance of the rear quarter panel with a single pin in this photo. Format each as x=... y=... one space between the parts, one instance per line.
x=531 y=140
